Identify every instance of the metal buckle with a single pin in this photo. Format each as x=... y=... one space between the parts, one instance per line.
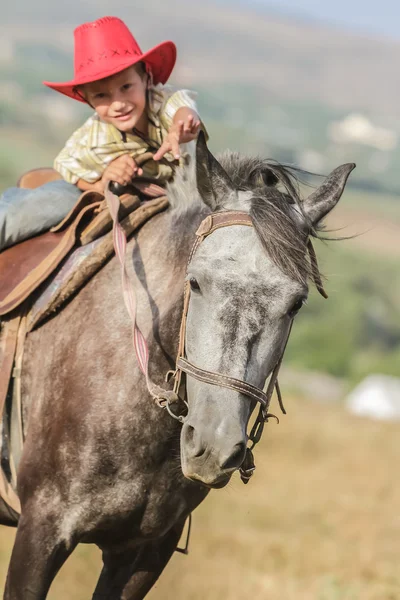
x=179 y=418
x=248 y=467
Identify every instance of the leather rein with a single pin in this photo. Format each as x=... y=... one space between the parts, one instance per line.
x=210 y=224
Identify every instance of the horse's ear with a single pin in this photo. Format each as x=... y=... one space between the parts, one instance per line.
x=213 y=183
x=325 y=198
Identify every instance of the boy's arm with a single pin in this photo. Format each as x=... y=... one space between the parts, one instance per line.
x=77 y=163
x=183 y=113
x=121 y=170
x=72 y=165
x=185 y=128
x=180 y=118
x=88 y=166
x=179 y=107
x=85 y=186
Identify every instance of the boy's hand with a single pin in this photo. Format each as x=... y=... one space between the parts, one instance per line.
x=121 y=170
x=181 y=132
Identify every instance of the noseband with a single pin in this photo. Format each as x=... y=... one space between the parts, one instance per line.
x=207 y=227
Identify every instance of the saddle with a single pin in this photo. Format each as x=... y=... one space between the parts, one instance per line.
x=25 y=266
x=38 y=275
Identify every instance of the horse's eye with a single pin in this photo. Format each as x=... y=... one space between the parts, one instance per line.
x=194 y=284
x=296 y=307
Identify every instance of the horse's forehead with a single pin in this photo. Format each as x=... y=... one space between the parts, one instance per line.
x=235 y=255
x=233 y=243
x=235 y=250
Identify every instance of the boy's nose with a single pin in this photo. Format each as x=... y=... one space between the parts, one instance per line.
x=118 y=105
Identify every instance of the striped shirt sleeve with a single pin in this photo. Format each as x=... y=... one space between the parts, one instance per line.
x=77 y=160
x=179 y=99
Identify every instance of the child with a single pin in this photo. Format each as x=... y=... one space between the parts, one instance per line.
x=134 y=113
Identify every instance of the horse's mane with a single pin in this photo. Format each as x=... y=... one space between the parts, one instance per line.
x=275 y=194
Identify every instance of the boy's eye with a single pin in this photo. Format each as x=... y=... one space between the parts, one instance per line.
x=99 y=96
x=127 y=86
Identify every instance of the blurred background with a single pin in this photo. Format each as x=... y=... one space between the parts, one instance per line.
x=314 y=85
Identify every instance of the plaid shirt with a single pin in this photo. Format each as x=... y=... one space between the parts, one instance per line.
x=94 y=145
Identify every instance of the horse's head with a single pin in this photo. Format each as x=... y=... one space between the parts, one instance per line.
x=247 y=284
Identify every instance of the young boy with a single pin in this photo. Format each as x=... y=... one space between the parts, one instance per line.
x=134 y=114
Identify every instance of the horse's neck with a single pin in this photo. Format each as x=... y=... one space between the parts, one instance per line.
x=159 y=251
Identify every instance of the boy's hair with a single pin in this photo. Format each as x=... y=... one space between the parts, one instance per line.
x=140 y=68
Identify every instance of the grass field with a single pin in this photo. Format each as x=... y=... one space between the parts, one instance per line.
x=319 y=521
x=373 y=220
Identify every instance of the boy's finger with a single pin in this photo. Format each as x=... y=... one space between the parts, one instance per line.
x=160 y=152
x=125 y=160
x=114 y=175
x=175 y=149
x=189 y=124
x=125 y=178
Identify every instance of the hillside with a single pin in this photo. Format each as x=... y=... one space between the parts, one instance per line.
x=297 y=91
x=286 y=58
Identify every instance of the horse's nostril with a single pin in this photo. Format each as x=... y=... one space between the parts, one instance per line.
x=236 y=458
x=193 y=441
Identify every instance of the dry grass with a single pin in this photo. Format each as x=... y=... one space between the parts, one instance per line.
x=374 y=233
x=319 y=521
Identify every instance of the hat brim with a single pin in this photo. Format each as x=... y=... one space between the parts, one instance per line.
x=161 y=60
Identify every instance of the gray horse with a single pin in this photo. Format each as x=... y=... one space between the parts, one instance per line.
x=102 y=463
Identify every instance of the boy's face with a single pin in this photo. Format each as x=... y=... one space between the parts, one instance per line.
x=120 y=99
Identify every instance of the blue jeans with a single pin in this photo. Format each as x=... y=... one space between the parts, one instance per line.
x=25 y=213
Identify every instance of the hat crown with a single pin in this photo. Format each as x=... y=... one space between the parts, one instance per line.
x=106 y=40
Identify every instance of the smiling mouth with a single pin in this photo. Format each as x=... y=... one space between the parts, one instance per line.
x=124 y=117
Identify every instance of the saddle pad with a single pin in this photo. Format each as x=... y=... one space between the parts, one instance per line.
x=84 y=262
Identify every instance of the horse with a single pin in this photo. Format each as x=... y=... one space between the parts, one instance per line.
x=102 y=463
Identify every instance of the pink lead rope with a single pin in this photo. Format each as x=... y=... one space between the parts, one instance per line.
x=119 y=240
x=139 y=343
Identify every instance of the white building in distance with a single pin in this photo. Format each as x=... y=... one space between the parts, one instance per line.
x=357 y=129
x=377 y=397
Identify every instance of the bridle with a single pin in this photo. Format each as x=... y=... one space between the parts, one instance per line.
x=210 y=224
x=164 y=398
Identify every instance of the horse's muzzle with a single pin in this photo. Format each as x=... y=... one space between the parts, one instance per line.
x=211 y=462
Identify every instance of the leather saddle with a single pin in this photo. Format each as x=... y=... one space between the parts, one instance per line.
x=26 y=265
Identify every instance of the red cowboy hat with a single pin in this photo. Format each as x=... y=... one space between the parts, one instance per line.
x=106 y=47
